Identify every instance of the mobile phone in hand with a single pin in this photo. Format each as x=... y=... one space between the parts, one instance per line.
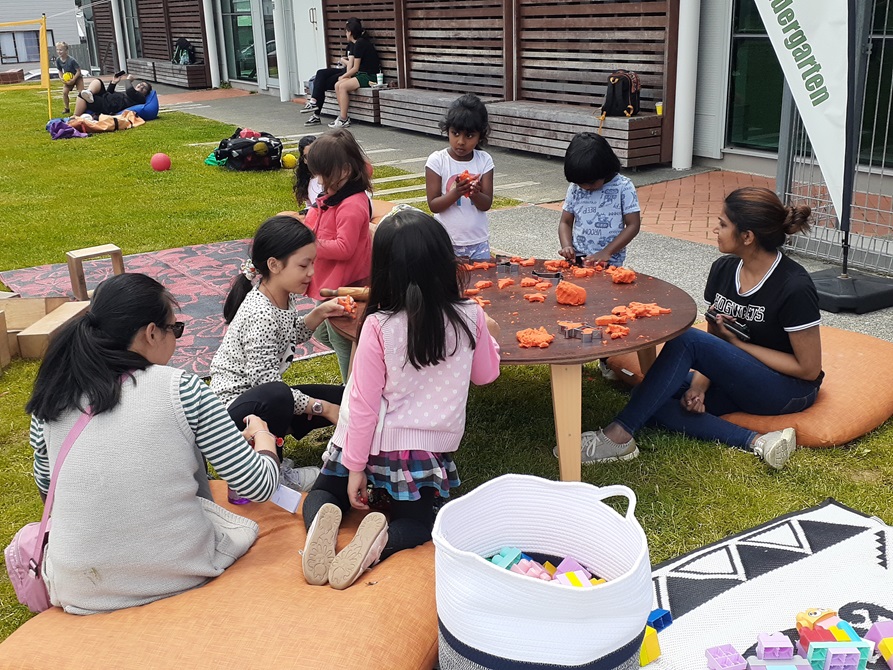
x=120 y=74
x=740 y=329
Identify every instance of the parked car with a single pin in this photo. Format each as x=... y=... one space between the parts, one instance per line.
x=248 y=62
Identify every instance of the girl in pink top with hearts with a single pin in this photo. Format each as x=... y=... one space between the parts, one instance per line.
x=421 y=344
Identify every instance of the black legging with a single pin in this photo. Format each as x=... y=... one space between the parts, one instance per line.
x=325 y=81
x=410 y=523
x=274 y=403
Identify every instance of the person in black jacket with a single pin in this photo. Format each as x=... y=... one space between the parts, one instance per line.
x=101 y=100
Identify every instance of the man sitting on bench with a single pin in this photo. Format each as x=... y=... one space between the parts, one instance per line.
x=98 y=99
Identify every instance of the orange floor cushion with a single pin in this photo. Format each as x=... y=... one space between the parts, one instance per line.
x=855 y=397
x=259 y=614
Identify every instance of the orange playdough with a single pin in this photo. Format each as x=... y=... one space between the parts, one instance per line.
x=569 y=294
x=534 y=337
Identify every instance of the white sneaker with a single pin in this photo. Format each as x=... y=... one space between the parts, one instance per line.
x=319 y=549
x=86 y=95
x=338 y=123
x=362 y=553
x=299 y=479
x=309 y=107
x=775 y=448
x=312 y=121
x=596 y=447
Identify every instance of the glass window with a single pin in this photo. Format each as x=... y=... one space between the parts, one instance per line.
x=23 y=46
x=132 y=29
x=238 y=35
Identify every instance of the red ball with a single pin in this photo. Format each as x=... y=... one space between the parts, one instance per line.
x=161 y=162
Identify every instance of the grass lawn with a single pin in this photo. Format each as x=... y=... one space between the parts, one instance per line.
x=64 y=195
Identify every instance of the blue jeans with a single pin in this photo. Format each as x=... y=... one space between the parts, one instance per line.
x=738 y=383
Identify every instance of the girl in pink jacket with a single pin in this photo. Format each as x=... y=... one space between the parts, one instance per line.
x=421 y=344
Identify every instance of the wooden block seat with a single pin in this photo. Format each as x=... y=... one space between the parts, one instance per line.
x=854 y=398
x=546 y=128
x=18 y=315
x=364 y=105
x=76 y=260
x=260 y=613
x=34 y=340
x=416 y=109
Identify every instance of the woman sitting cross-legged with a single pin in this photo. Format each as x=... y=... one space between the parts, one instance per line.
x=133 y=519
x=775 y=369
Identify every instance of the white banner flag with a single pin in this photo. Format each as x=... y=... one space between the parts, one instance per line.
x=810 y=38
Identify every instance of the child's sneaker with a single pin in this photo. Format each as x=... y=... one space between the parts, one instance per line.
x=312 y=121
x=309 y=107
x=607 y=372
x=338 y=123
x=299 y=479
x=363 y=551
x=775 y=448
x=86 y=95
x=596 y=447
x=319 y=550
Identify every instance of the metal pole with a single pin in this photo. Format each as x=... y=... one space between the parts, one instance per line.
x=686 y=84
x=785 y=169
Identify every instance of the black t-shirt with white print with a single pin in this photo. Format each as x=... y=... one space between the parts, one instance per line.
x=784 y=301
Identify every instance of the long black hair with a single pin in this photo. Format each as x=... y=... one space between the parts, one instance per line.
x=87 y=361
x=302 y=171
x=277 y=237
x=414 y=270
x=355 y=28
x=759 y=210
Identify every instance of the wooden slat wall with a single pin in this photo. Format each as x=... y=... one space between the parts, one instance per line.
x=186 y=21
x=378 y=20
x=105 y=38
x=566 y=50
x=456 y=46
x=154 y=30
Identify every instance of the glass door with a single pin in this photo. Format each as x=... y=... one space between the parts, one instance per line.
x=238 y=36
x=271 y=60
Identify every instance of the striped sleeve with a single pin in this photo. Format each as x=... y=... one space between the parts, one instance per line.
x=41 y=460
x=251 y=474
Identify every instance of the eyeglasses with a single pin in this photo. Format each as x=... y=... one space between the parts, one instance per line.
x=176 y=328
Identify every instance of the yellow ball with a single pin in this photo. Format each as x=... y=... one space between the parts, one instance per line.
x=67 y=76
x=289 y=161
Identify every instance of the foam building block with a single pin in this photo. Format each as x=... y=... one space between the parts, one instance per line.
x=650 y=647
x=774 y=647
x=532 y=569
x=839 y=655
x=660 y=619
x=575 y=578
x=795 y=663
x=549 y=568
x=844 y=632
x=725 y=657
x=810 y=635
x=879 y=631
x=885 y=646
x=817 y=616
x=506 y=557
x=570 y=565
x=596 y=581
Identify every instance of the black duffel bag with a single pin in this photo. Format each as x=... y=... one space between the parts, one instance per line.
x=250 y=153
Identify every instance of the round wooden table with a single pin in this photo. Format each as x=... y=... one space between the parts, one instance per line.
x=566 y=356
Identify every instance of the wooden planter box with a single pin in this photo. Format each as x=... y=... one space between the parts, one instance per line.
x=187 y=76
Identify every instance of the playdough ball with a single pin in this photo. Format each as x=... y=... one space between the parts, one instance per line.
x=161 y=162
x=289 y=161
x=67 y=76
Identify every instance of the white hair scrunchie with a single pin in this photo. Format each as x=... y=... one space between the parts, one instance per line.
x=249 y=270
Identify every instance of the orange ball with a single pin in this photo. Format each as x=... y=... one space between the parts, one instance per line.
x=161 y=162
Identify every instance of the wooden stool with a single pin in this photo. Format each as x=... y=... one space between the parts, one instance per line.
x=76 y=260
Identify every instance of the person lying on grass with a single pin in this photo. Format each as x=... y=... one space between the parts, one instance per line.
x=133 y=516
x=98 y=99
x=775 y=368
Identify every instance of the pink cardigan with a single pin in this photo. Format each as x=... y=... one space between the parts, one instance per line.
x=343 y=244
x=424 y=409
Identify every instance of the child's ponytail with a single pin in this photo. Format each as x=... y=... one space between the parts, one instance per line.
x=239 y=289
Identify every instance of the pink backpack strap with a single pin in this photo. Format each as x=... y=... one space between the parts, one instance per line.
x=73 y=435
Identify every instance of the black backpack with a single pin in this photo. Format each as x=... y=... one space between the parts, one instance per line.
x=250 y=153
x=622 y=96
x=184 y=52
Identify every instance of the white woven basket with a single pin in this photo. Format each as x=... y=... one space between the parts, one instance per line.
x=498 y=614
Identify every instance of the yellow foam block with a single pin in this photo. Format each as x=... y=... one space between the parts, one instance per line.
x=550 y=568
x=596 y=582
x=886 y=648
x=839 y=635
x=650 y=650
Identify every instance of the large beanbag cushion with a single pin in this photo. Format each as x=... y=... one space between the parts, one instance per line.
x=148 y=111
x=260 y=613
x=856 y=396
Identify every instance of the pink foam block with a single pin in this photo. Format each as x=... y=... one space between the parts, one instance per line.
x=531 y=569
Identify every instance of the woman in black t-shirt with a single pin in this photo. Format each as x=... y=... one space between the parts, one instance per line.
x=362 y=68
x=774 y=367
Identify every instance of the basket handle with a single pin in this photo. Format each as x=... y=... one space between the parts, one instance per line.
x=603 y=492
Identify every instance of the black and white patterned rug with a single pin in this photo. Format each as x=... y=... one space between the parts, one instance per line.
x=755 y=582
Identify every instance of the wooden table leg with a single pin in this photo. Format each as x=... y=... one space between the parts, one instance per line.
x=567 y=400
x=646 y=358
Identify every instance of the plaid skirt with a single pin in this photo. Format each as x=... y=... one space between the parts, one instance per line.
x=400 y=473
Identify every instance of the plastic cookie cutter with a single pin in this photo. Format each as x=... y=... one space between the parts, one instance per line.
x=505 y=267
x=553 y=277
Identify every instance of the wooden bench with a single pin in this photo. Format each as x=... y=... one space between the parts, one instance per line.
x=141 y=69
x=186 y=76
x=546 y=128
x=416 y=109
x=364 y=105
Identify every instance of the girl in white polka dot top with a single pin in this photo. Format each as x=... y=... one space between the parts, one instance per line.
x=420 y=346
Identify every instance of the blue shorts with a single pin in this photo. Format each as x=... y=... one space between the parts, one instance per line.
x=475 y=252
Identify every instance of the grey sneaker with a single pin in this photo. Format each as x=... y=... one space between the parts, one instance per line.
x=775 y=448
x=309 y=107
x=86 y=95
x=596 y=447
x=319 y=549
x=312 y=121
x=363 y=551
x=338 y=123
x=607 y=372
x=299 y=479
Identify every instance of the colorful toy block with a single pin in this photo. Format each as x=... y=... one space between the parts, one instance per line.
x=725 y=657
x=817 y=616
x=549 y=568
x=575 y=578
x=650 y=647
x=660 y=619
x=885 y=646
x=844 y=632
x=774 y=646
x=839 y=655
x=879 y=631
x=506 y=557
x=532 y=569
x=595 y=581
x=570 y=565
x=795 y=663
x=810 y=635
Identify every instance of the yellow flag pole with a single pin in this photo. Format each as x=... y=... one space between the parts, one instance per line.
x=45 y=64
